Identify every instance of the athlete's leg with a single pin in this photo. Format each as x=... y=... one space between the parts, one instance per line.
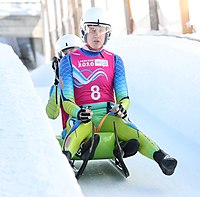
x=76 y=137
x=147 y=147
x=127 y=131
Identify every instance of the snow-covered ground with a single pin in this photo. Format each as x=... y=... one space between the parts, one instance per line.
x=31 y=164
x=163 y=77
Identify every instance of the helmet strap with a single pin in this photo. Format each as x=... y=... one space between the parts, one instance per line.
x=107 y=37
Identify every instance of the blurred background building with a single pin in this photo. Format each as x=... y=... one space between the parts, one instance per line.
x=32 y=27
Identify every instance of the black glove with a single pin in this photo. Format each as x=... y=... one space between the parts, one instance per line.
x=119 y=111
x=56 y=70
x=56 y=82
x=85 y=115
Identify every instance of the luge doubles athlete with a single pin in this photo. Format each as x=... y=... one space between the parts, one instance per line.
x=93 y=87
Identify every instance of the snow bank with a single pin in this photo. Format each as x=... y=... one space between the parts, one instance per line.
x=163 y=77
x=31 y=162
x=43 y=75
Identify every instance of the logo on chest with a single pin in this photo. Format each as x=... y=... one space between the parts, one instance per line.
x=86 y=75
x=93 y=63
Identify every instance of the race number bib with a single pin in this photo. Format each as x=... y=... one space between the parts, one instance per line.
x=95 y=94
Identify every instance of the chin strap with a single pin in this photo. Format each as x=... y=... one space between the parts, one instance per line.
x=92 y=49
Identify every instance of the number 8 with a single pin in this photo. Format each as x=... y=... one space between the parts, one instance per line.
x=95 y=92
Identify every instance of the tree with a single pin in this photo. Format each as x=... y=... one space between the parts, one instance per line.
x=77 y=13
x=185 y=19
x=92 y=3
x=129 y=18
x=153 y=12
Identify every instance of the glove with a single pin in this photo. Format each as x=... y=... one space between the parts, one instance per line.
x=56 y=70
x=85 y=114
x=119 y=111
x=56 y=82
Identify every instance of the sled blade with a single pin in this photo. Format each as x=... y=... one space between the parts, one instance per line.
x=118 y=162
x=79 y=173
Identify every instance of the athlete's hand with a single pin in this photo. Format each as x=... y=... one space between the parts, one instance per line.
x=85 y=114
x=119 y=111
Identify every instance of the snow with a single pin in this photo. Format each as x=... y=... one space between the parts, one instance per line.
x=31 y=161
x=20 y=7
x=163 y=77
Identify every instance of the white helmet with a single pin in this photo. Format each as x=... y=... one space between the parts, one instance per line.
x=66 y=42
x=95 y=16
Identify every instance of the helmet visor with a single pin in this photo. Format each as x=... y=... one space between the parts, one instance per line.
x=69 y=50
x=94 y=28
x=66 y=51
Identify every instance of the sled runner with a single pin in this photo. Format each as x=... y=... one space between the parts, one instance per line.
x=98 y=146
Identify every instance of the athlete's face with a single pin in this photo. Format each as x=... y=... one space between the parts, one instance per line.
x=96 y=36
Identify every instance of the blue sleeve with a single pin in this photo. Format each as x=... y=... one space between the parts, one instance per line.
x=67 y=87
x=120 y=84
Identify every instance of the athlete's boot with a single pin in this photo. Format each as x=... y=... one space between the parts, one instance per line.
x=166 y=162
x=69 y=156
x=86 y=147
x=129 y=148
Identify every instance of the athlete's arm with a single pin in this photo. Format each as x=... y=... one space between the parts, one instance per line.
x=120 y=85
x=67 y=88
x=53 y=105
